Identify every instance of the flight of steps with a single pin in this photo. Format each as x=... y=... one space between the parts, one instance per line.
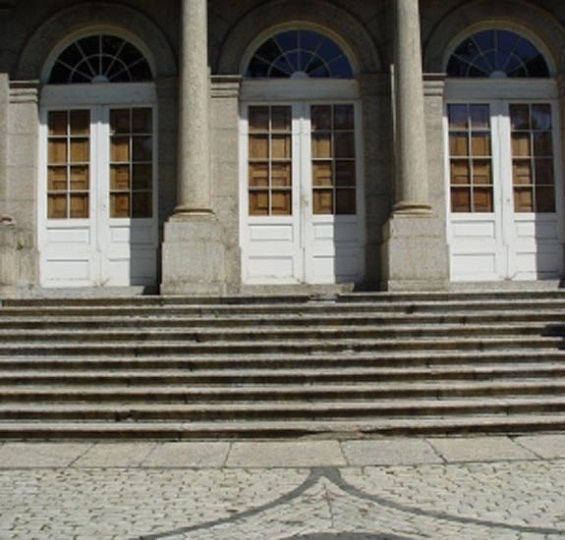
x=342 y=366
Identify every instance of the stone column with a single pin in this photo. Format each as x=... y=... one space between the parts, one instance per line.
x=193 y=188
x=411 y=166
x=224 y=152
x=4 y=101
x=193 y=249
x=414 y=245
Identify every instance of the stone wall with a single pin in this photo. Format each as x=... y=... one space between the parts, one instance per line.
x=32 y=31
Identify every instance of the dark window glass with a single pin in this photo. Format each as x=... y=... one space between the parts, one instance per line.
x=299 y=53
x=101 y=58
x=497 y=53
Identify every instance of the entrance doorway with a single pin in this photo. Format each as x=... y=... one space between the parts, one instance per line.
x=97 y=183
x=505 y=217
x=97 y=215
x=301 y=194
x=504 y=220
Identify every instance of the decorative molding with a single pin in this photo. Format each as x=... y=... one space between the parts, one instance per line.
x=24 y=91
x=225 y=86
x=434 y=84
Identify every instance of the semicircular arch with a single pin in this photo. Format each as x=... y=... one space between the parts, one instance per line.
x=68 y=25
x=329 y=20
x=527 y=20
x=297 y=52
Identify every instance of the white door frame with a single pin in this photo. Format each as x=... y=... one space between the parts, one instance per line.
x=101 y=234
x=515 y=235
x=300 y=94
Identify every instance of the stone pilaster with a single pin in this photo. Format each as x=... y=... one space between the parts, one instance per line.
x=561 y=91
x=224 y=172
x=378 y=168
x=414 y=237
x=193 y=252
x=19 y=256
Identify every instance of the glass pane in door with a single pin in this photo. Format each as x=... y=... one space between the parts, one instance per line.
x=131 y=163
x=333 y=160
x=532 y=158
x=270 y=161
x=470 y=155
x=68 y=164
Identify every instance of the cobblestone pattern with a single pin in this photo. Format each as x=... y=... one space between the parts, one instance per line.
x=503 y=500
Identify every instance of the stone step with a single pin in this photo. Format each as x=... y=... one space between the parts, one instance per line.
x=73 y=299
x=272 y=306
x=38 y=318
x=327 y=410
x=299 y=375
x=330 y=318
x=275 y=360
x=272 y=393
x=535 y=322
x=305 y=346
x=159 y=367
x=284 y=428
x=303 y=332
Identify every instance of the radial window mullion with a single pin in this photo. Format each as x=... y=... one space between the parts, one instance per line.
x=315 y=56
x=75 y=65
x=463 y=63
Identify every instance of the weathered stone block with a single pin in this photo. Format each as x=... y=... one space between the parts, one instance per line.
x=193 y=256
x=414 y=253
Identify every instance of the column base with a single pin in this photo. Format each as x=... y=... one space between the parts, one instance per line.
x=412 y=208
x=414 y=253
x=193 y=256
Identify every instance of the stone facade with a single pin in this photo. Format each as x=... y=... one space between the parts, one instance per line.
x=198 y=52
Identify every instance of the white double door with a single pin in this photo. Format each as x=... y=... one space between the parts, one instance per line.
x=97 y=190
x=301 y=219
x=505 y=216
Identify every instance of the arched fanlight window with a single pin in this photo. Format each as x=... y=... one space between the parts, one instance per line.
x=100 y=58
x=497 y=54
x=299 y=54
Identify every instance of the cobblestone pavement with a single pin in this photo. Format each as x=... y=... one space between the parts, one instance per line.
x=400 y=489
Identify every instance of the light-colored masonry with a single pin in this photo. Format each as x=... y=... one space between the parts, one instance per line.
x=417 y=222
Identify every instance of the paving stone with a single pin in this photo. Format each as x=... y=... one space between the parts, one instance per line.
x=114 y=455
x=286 y=454
x=480 y=500
x=191 y=454
x=33 y=455
x=480 y=449
x=547 y=446
x=389 y=452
